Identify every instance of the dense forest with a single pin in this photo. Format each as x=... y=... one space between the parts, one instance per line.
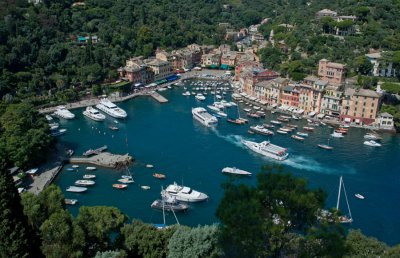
x=275 y=218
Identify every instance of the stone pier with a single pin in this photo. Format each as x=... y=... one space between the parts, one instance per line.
x=105 y=159
x=159 y=97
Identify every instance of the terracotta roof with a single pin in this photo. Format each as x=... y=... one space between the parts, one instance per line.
x=367 y=93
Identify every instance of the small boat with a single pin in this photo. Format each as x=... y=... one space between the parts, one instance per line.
x=337 y=135
x=213 y=108
x=114 y=128
x=326 y=147
x=282 y=119
x=76 y=189
x=149 y=166
x=341 y=131
x=236 y=171
x=85 y=182
x=370 y=136
x=145 y=187
x=70 y=169
x=322 y=123
x=119 y=186
x=372 y=143
x=186 y=93
x=222 y=114
x=246 y=110
x=302 y=134
x=253 y=115
x=91 y=168
x=275 y=122
x=94 y=114
x=89 y=176
x=126 y=176
x=49 y=117
x=70 y=201
x=268 y=126
x=287 y=129
x=308 y=128
x=126 y=180
x=261 y=130
x=281 y=132
x=295 y=117
x=169 y=203
x=235 y=121
x=292 y=126
x=250 y=131
x=159 y=176
x=359 y=196
x=200 y=97
x=297 y=138
x=75 y=166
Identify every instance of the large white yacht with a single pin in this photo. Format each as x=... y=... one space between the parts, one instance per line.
x=267 y=149
x=201 y=115
x=94 y=114
x=111 y=109
x=184 y=193
x=63 y=113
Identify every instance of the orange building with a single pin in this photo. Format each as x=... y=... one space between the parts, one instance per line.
x=332 y=72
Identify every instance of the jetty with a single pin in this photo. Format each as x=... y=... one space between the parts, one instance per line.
x=105 y=159
x=158 y=97
x=95 y=151
x=43 y=180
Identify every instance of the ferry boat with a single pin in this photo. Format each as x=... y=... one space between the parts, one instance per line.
x=236 y=171
x=201 y=115
x=372 y=143
x=76 y=189
x=261 y=130
x=169 y=203
x=184 y=193
x=63 y=113
x=266 y=148
x=85 y=182
x=94 y=114
x=111 y=109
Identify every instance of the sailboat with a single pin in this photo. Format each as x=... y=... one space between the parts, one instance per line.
x=164 y=225
x=343 y=218
x=325 y=146
x=126 y=179
x=239 y=120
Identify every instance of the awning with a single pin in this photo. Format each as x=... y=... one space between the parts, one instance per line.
x=224 y=67
x=213 y=66
x=347 y=119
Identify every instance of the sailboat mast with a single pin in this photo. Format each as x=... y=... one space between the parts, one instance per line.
x=338 y=198
x=347 y=201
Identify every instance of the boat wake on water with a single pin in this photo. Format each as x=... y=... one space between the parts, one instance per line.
x=234 y=139
x=306 y=163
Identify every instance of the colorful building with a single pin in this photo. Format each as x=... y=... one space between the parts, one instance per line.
x=332 y=72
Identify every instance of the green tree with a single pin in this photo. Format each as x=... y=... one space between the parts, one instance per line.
x=359 y=245
x=110 y=254
x=16 y=237
x=363 y=65
x=145 y=240
x=195 y=242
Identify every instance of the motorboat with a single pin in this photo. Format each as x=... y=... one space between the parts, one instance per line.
x=120 y=186
x=325 y=146
x=159 y=175
x=292 y=126
x=253 y=115
x=359 y=196
x=259 y=129
x=49 y=117
x=282 y=119
x=266 y=148
x=275 y=122
x=268 y=126
x=54 y=126
x=95 y=151
x=201 y=115
x=213 y=108
x=237 y=121
x=169 y=203
x=94 y=114
x=91 y=168
x=302 y=134
x=126 y=176
x=260 y=113
x=186 y=93
x=32 y=171
x=70 y=201
x=286 y=129
x=184 y=193
x=308 y=128
x=113 y=127
x=372 y=143
x=63 y=113
x=145 y=187
x=89 y=176
x=76 y=189
x=85 y=182
x=75 y=166
x=236 y=171
x=371 y=136
x=126 y=180
x=111 y=109
x=296 y=137
x=200 y=97
x=281 y=131
x=149 y=166
x=58 y=132
x=246 y=110
x=295 y=117
x=337 y=135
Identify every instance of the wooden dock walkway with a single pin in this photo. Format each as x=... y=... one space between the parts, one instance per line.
x=159 y=97
x=44 y=179
x=105 y=159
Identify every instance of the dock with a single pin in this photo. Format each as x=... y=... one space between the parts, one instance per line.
x=159 y=97
x=43 y=180
x=104 y=159
x=96 y=151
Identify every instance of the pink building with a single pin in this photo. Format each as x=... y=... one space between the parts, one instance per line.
x=332 y=72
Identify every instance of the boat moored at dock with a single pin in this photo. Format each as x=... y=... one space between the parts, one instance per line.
x=259 y=129
x=63 y=113
x=94 y=114
x=267 y=149
x=169 y=203
x=111 y=109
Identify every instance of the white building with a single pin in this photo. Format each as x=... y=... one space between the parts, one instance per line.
x=380 y=69
x=385 y=121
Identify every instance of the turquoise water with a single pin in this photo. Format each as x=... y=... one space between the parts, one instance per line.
x=166 y=136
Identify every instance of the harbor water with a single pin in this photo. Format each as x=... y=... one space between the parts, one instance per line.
x=166 y=136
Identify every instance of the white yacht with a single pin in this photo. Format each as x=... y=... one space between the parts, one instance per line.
x=186 y=93
x=111 y=109
x=94 y=114
x=85 y=182
x=267 y=149
x=201 y=115
x=76 y=189
x=337 y=135
x=213 y=108
x=64 y=113
x=184 y=193
x=371 y=136
x=200 y=97
x=372 y=143
x=235 y=171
